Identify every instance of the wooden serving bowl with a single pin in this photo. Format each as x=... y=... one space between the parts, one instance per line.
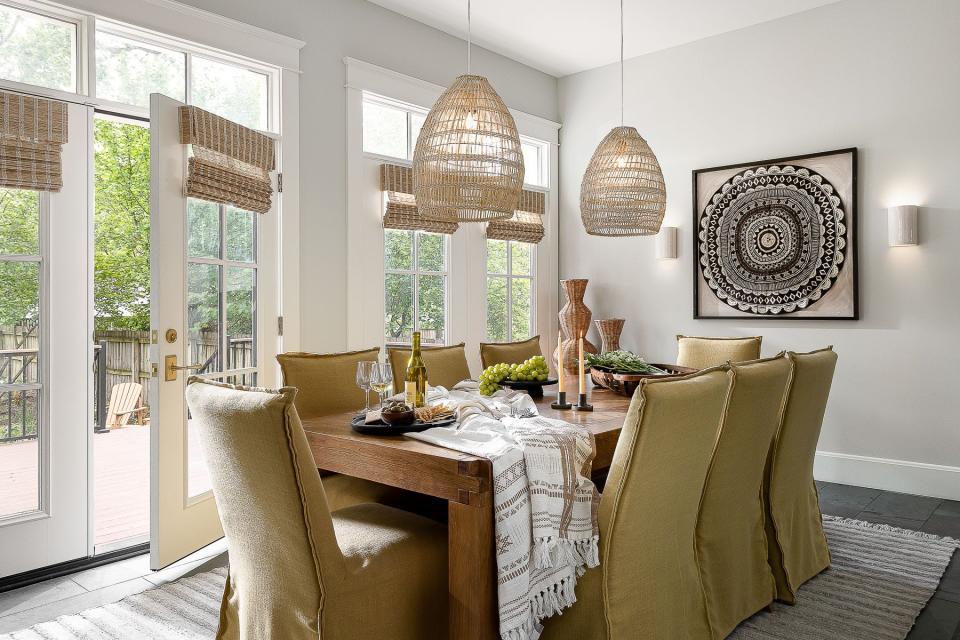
x=625 y=384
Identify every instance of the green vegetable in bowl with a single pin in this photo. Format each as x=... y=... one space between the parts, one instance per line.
x=621 y=362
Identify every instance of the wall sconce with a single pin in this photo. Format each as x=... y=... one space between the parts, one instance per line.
x=667 y=243
x=902 y=225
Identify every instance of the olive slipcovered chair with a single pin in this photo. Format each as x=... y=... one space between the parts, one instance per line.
x=297 y=572
x=326 y=385
x=446 y=366
x=731 y=541
x=647 y=586
x=797 y=545
x=699 y=353
x=509 y=352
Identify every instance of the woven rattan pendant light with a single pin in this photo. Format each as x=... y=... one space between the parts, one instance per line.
x=468 y=165
x=623 y=193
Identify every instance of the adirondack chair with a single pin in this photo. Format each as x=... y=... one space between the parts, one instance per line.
x=124 y=402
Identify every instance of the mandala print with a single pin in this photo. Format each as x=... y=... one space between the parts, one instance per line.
x=772 y=240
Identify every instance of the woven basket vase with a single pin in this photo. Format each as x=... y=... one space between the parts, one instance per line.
x=468 y=165
x=623 y=192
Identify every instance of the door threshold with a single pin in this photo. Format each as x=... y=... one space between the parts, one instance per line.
x=34 y=576
x=133 y=541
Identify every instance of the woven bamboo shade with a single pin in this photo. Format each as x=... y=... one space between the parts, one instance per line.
x=32 y=133
x=230 y=164
x=467 y=165
x=400 y=211
x=623 y=192
x=526 y=223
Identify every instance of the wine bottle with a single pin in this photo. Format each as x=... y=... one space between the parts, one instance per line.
x=415 y=385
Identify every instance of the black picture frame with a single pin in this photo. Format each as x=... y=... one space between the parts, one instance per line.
x=852 y=262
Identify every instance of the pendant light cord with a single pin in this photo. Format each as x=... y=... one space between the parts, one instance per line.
x=621 y=59
x=469 y=38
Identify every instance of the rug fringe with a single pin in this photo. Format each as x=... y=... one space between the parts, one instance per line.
x=863 y=524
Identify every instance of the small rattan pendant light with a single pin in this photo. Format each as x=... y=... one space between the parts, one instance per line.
x=623 y=193
x=468 y=165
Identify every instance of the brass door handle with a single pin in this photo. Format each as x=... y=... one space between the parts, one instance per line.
x=170 y=368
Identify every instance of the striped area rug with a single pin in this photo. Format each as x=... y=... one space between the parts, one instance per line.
x=880 y=581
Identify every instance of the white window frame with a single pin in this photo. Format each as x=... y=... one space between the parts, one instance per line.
x=510 y=277
x=466 y=284
x=415 y=271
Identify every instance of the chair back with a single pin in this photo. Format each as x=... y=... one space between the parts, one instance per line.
x=648 y=512
x=798 y=545
x=124 y=398
x=446 y=366
x=509 y=352
x=272 y=507
x=731 y=542
x=326 y=383
x=701 y=353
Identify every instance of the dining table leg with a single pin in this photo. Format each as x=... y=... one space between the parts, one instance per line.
x=472 y=582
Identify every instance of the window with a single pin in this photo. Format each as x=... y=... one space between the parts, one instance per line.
x=415 y=286
x=535 y=162
x=234 y=92
x=129 y=70
x=390 y=128
x=510 y=290
x=20 y=382
x=37 y=49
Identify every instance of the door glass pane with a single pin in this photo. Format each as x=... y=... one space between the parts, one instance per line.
x=128 y=70
x=497 y=308
x=430 y=251
x=19 y=323
x=230 y=91
x=398 y=307
x=432 y=309
x=521 y=308
x=384 y=130
x=241 y=235
x=37 y=49
x=203 y=229
x=398 y=249
x=241 y=317
x=520 y=258
x=203 y=316
x=19 y=222
x=19 y=452
x=496 y=256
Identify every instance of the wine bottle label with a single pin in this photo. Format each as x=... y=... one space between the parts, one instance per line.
x=410 y=391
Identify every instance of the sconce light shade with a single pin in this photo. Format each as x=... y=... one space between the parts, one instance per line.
x=667 y=243
x=902 y=225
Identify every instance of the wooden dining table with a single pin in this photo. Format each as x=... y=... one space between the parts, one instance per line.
x=464 y=481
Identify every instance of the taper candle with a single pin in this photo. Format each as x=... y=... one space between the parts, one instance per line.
x=583 y=381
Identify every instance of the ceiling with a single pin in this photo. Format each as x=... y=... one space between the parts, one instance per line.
x=562 y=37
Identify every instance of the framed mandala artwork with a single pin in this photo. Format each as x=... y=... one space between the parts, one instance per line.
x=777 y=239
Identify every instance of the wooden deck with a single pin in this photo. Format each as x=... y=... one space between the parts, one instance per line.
x=121 y=482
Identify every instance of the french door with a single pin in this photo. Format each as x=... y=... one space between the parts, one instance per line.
x=44 y=359
x=214 y=308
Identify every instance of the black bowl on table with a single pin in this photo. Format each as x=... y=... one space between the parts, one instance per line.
x=399 y=418
x=533 y=387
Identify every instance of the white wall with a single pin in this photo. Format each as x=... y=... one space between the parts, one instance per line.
x=333 y=29
x=880 y=75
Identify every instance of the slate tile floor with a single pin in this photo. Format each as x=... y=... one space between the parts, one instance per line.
x=940 y=620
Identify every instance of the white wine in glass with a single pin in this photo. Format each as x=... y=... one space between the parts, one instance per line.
x=381 y=379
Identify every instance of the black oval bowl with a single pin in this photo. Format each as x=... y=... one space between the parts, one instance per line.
x=532 y=387
x=399 y=419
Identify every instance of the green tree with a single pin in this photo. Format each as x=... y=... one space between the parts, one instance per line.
x=121 y=279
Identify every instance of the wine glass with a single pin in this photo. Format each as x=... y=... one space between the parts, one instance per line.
x=381 y=379
x=363 y=380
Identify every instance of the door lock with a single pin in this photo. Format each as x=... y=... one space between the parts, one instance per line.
x=170 y=368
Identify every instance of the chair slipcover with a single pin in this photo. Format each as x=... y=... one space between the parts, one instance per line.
x=797 y=545
x=700 y=353
x=731 y=541
x=509 y=352
x=326 y=384
x=647 y=585
x=446 y=366
x=368 y=572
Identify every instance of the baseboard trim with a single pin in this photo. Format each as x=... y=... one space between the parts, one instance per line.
x=918 y=478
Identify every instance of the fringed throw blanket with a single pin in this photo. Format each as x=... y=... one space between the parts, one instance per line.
x=545 y=505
